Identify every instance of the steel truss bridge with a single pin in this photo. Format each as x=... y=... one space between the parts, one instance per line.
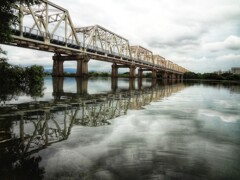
x=48 y=27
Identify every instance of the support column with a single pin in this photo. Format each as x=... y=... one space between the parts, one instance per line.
x=114 y=84
x=154 y=74
x=154 y=82
x=132 y=71
x=58 y=87
x=131 y=84
x=164 y=75
x=139 y=83
x=82 y=85
x=173 y=76
x=82 y=64
x=114 y=70
x=140 y=72
x=57 y=67
x=82 y=67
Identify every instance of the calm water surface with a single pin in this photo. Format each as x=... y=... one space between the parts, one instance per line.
x=121 y=129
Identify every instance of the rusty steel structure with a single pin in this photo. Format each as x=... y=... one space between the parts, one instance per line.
x=48 y=27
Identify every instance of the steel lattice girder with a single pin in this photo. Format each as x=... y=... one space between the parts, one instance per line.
x=98 y=37
x=47 y=20
x=159 y=61
x=138 y=52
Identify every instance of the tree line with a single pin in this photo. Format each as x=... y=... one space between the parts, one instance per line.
x=212 y=76
x=16 y=80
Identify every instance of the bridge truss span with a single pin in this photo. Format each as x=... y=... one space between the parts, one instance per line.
x=48 y=27
x=104 y=42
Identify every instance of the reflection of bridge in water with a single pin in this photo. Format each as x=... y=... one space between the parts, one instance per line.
x=35 y=125
x=82 y=86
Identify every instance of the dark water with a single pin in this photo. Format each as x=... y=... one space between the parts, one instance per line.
x=108 y=129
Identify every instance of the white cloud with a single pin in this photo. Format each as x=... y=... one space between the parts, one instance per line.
x=230 y=43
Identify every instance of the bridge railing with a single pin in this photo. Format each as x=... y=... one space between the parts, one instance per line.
x=35 y=34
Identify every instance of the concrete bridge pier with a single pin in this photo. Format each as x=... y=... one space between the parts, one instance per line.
x=57 y=67
x=173 y=76
x=140 y=72
x=164 y=75
x=154 y=74
x=131 y=84
x=82 y=67
x=82 y=85
x=169 y=76
x=114 y=70
x=114 y=84
x=82 y=64
x=154 y=82
x=139 y=83
x=58 y=84
x=132 y=71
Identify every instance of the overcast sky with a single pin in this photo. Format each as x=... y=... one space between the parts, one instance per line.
x=200 y=35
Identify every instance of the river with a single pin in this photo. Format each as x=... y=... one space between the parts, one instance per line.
x=104 y=128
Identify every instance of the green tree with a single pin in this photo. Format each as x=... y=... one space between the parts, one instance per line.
x=8 y=17
x=34 y=80
x=2 y=52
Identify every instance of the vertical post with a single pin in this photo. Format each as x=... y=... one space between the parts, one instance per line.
x=60 y=67
x=164 y=75
x=21 y=19
x=57 y=87
x=169 y=75
x=82 y=85
x=66 y=27
x=154 y=74
x=114 y=70
x=154 y=82
x=82 y=67
x=139 y=83
x=47 y=20
x=57 y=66
x=58 y=84
x=132 y=72
x=131 y=84
x=173 y=76
x=140 y=72
x=114 y=84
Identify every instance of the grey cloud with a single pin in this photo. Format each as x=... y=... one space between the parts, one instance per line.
x=172 y=43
